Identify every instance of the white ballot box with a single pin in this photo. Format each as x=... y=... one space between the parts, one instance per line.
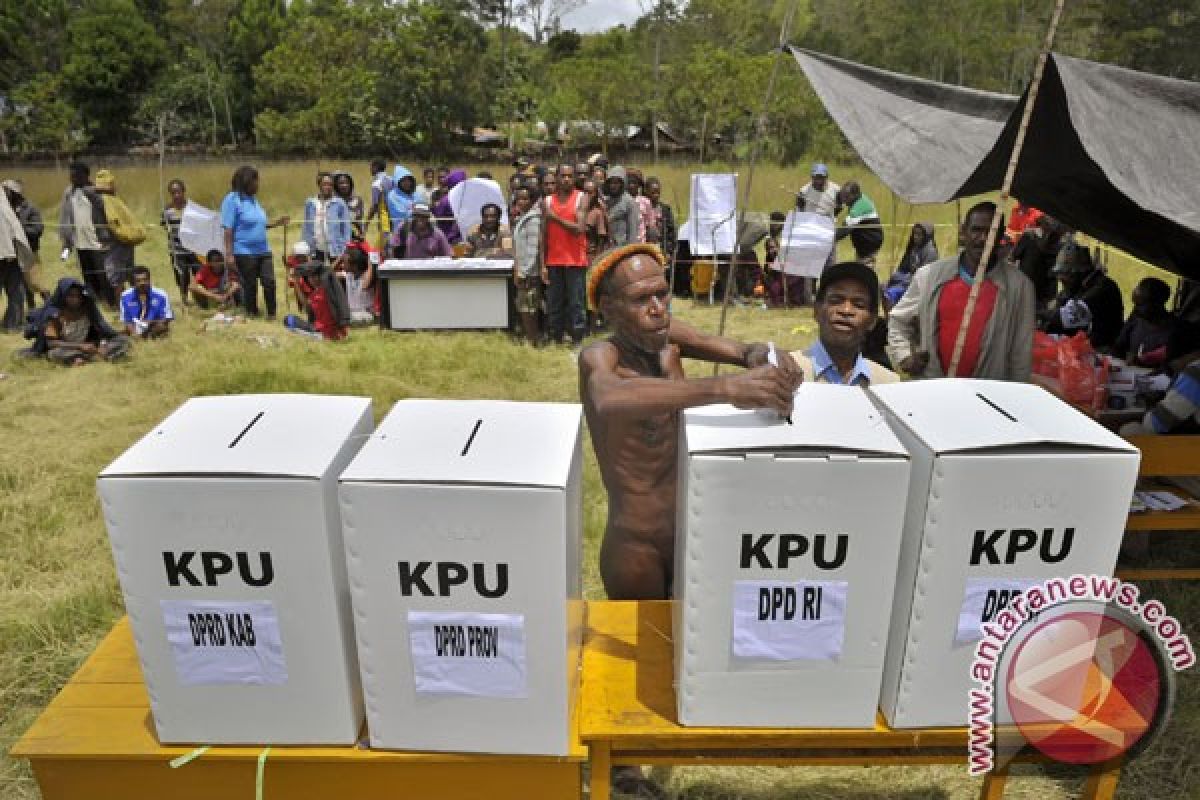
x=1010 y=486
x=445 y=293
x=785 y=559
x=224 y=524
x=463 y=526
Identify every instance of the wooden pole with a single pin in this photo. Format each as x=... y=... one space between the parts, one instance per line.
x=784 y=31
x=993 y=231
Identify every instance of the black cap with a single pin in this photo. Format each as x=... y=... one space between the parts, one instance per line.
x=851 y=270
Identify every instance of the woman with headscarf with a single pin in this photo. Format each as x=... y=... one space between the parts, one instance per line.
x=443 y=212
x=127 y=234
x=400 y=201
x=343 y=187
x=72 y=331
x=920 y=250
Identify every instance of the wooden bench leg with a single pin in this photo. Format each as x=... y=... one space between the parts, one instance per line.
x=600 y=756
x=993 y=784
x=1102 y=781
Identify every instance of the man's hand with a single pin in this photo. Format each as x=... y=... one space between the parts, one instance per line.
x=757 y=355
x=915 y=364
x=546 y=276
x=763 y=387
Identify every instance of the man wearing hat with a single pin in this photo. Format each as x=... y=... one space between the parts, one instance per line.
x=425 y=240
x=819 y=195
x=1090 y=301
x=846 y=310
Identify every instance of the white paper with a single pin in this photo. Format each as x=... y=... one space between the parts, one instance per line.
x=468 y=198
x=983 y=599
x=217 y=643
x=482 y=655
x=712 y=214
x=807 y=241
x=1160 y=500
x=789 y=620
x=200 y=230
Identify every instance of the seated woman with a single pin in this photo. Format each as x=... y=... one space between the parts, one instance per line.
x=359 y=276
x=1143 y=339
x=921 y=250
x=70 y=330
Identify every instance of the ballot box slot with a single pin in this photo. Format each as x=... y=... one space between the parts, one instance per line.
x=471 y=438
x=996 y=408
x=246 y=429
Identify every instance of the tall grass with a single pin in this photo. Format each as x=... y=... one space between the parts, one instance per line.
x=60 y=427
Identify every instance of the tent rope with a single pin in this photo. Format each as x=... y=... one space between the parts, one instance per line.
x=784 y=32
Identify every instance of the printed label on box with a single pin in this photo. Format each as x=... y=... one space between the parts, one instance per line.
x=789 y=621
x=217 y=643
x=482 y=655
x=983 y=600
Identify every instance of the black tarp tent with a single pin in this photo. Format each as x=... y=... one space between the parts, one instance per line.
x=1111 y=152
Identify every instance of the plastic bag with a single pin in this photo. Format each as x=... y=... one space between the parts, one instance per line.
x=1070 y=368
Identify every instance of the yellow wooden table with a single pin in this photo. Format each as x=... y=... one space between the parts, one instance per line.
x=628 y=716
x=1166 y=456
x=96 y=740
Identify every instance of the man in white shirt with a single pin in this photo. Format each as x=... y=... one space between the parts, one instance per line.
x=819 y=195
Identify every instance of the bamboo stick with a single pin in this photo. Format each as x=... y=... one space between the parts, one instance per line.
x=784 y=31
x=1009 y=174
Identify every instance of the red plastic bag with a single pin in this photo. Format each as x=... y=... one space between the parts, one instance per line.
x=1070 y=368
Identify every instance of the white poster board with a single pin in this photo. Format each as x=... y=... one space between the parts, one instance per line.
x=468 y=198
x=200 y=230
x=808 y=239
x=712 y=217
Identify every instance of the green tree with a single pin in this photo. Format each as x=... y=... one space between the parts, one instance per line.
x=113 y=56
x=41 y=120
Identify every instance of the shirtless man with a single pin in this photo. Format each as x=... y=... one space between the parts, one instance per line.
x=633 y=389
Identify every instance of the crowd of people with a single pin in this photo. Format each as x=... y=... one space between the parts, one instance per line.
x=556 y=223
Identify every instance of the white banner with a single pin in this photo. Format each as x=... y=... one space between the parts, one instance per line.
x=217 y=643
x=808 y=239
x=789 y=620
x=983 y=599
x=468 y=198
x=482 y=655
x=200 y=230
x=712 y=214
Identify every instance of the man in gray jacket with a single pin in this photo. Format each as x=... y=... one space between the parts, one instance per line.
x=528 y=272
x=923 y=325
x=83 y=227
x=623 y=213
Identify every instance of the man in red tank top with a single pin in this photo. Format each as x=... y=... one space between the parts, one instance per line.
x=564 y=258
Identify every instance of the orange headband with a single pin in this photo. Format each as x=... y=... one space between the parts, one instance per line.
x=614 y=257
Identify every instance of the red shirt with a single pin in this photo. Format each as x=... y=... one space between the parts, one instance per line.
x=322 y=314
x=212 y=281
x=563 y=248
x=951 y=305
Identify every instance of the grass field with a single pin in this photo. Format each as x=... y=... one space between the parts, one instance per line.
x=58 y=591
